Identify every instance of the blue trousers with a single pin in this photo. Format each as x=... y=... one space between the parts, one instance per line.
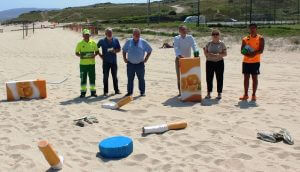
x=139 y=70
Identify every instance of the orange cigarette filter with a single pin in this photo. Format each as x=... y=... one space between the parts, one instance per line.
x=124 y=101
x=177 y=125
x=49 y=153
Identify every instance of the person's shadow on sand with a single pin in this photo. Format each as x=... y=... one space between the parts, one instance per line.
x=209 y=102
x=87 y=100
x=175 y=102
x=244 y=104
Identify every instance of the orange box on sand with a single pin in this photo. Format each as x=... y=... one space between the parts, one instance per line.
x=190 y=79
x=30 y=89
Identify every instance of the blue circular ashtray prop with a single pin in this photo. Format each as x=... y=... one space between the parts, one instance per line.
x=116 y=147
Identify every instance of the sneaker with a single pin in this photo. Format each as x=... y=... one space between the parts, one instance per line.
x=219 y=97
x=118 y=92
x=244 y=97
x=82 y=95
x=128 y=94
x=105 y=94
x=143 y=95
x=208 y=96
x=253 y=98
x=93 y=94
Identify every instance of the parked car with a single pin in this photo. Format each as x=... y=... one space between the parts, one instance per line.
x=194 y=19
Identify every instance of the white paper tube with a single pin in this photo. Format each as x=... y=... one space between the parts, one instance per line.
x=110 y=105
x=155 y=129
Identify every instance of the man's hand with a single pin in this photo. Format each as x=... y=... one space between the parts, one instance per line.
x=146 y=59
x=252 y=54
x=124 y=57
x=101 y=56
x=78 y=54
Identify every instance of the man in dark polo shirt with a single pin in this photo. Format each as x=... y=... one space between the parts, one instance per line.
x=110 y=47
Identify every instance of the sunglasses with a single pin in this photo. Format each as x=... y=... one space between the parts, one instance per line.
x=215 y=34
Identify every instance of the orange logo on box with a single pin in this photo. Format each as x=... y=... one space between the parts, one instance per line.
x=190 y=82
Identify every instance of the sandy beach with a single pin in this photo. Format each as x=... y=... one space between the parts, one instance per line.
x=221 y=136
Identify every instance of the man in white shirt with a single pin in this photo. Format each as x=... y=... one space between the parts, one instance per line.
x=183 y=43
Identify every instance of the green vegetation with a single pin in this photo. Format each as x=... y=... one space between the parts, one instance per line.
x=170 y=29
x=164 y=20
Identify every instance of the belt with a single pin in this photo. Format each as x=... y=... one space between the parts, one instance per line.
x=135 y=63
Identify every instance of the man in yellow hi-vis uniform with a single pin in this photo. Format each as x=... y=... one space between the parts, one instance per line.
x=87 y=50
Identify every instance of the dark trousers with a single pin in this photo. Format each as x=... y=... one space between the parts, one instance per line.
x=211 y=69
x=114 y=69
x=85 y=71
x=177 y=73
x=139 y=70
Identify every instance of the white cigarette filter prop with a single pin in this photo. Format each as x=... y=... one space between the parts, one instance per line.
x=122 y=102
x=190 y=79
x=164 y=127
x=50 y=155
x=30 y=89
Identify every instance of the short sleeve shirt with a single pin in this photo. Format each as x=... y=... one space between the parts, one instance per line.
x=215 y=48
x=86 y=51
x=136 y=50
x=109 y=57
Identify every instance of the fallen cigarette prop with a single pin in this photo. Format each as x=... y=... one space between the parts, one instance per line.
x=54 y=160
x=164 y=127
x=119 y=104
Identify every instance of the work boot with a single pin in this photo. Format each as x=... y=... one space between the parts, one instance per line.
x=82 y=95
x=93 y=94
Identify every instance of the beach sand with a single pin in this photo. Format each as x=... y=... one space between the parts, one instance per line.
x=221 y=136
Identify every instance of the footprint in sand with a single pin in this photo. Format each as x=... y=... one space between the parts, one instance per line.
x=16 y=157
x=242 y=156
x=155 y=161
x=4 y=140
x=167 y=167
x=130 y=163
x=195 y=156
x=274 y=149
x=138 y=111
x=140 y=157
x=296 y=155
x=297 y=148
x=185 y=142
x=283 y=155
x=18 y=147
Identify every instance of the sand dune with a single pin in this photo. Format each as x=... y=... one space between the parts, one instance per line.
x=221 y=136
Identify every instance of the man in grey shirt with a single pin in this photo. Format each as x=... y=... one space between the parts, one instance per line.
x=183 y=44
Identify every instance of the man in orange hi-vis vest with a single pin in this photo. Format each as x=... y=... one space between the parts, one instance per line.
x=252 y=48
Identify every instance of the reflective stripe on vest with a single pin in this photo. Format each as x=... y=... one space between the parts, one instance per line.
x=254 y=43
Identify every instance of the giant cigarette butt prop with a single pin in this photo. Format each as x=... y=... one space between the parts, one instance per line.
x=164 y=127
x=30 y=89
x=190 y=79
x=51 y=156
x=120 y=103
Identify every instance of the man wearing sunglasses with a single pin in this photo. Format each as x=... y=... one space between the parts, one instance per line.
x=252 y=48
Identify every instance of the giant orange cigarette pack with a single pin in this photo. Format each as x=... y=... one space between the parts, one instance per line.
x=190 y=79
x=30 y=89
